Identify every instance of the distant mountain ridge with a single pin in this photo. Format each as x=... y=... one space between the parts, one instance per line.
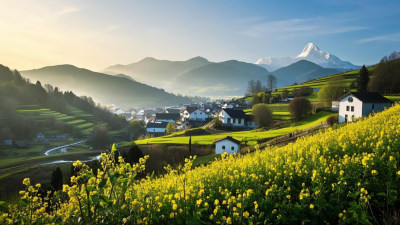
x=196 y=76
x=311 y=53
x=104 y=88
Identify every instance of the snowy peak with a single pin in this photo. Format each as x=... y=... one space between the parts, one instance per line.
x=312 y=53
x=310 y=48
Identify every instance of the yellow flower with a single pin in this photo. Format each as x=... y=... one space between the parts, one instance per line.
x=26 y=182
x=311 y=206
x=171 y=215
x=374 y=172
x=198 y=202
x=246 y=214
x=174 y=206
x=228 y=220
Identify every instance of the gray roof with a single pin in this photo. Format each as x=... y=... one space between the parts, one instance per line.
x=157 y=125
x=228 y=138
x=369 y=97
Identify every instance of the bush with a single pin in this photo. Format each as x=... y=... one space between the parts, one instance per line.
x=300 y=108
x=332 y=120
x=262 y=115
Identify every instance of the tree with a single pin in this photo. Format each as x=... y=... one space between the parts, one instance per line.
x=134 y=154
x=100 y=137
x=259 y=87
x=135 y=129
x=300 y=108
x=332 y=91
x=332 y=120
x=271 y=82
x=56 y=179
x=251 y=85
x=363 y=79
x=386 y=79
x=262 y=115
x=170 y=128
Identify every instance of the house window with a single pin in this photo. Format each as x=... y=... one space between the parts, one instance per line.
x=223 y=147
x=373 y=106
x=229 y=120
x=350 y=99
x=240 y=121
x=352 y=108
x=347 y=108
x=234 y=120
x=232 y=148
x=345 y=118
x=352 y=118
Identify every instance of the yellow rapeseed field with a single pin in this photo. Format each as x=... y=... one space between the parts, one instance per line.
x=346 y=175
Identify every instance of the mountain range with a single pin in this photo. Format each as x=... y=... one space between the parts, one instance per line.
x=196 y=76
x=106 y=89
x=311 y=53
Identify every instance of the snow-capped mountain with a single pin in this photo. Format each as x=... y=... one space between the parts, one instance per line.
x=311 y=53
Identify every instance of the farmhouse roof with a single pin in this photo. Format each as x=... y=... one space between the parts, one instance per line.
x=228 y=138
x=169 y=110
x=368 y=97
x=157 y=125
x=236 y=113
x=168 y=116
x=191 y=109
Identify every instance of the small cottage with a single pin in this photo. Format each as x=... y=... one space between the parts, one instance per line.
x=194 y=113
x=156 y=128
x=355 y=105
x=236 y=118
x=227 y=144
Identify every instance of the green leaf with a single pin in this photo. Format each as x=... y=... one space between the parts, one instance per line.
x=102 y=183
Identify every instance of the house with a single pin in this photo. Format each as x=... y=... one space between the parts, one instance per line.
x=355 y=105
x=168 y=117
x=227 y=144
x=156 y=128
x=236 y=118
x=194 y=113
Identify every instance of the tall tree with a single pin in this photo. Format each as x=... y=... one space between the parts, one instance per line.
x=332 y=90
x=271 y=82
x=363 y=79
x=251 y=86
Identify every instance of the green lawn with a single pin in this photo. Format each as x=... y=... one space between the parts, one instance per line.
x=250 y=136
x=280 y=111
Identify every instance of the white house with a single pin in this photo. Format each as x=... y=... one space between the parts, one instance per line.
x=356 y=105
x=156 y=128
x=235 y=118
x=227 y=144
x=194 y=113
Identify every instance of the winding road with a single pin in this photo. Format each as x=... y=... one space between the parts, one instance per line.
x=49 y=152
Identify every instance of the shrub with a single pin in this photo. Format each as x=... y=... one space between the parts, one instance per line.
x=300 y=108
x=262 y=115
x=332 y=120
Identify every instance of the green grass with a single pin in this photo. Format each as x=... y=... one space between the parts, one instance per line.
x=280 y=111
x=393 y=98
x=250 y=136
x=205 y=159
x=76 y=122
x=32 y=110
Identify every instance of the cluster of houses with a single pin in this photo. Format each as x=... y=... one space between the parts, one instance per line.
x=230 y=113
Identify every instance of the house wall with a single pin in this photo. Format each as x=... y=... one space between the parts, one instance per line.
x=155 y=130
x=368 y=108
x=223 y=117
x=165 y=120
x=228 y=147
x=197 y=115
x=357 y=113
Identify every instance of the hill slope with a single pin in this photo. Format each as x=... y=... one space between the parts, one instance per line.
x=338 y=176
x=227 y=78
x=155 y=72
x=103 y=88
x=301 y=71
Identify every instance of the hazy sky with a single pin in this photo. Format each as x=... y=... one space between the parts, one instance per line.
x=96 y=34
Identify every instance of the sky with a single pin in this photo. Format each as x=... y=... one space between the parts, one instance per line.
x=95 y=34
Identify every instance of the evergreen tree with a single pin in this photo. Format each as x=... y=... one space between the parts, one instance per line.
x=57 y=179
x=363 y=79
